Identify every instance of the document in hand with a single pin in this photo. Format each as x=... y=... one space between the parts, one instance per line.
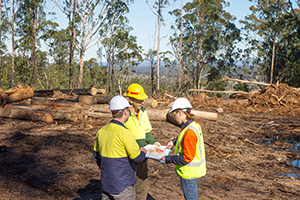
x=155 y=152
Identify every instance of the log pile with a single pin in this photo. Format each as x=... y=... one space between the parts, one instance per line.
x=70 y=105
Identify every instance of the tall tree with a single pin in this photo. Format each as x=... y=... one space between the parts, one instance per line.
x=209 y=38
x=69 y=8
x=15 y=5
x=159 y=5
x=264 y=22
x=32 y=21
x=95 y=16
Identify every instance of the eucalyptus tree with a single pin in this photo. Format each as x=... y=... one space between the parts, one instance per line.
x=57 y=42
x=277 y=45
x=96 y=17
x=12 y=8
x=129 y=56
x=209 y=38
x=157 y=10
x=31 y=21
x=69 y=8
x=150 y=57
x=122 y=53
x=3 y=37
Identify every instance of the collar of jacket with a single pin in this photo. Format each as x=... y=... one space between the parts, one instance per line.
x=117 y=122
x=183 y=126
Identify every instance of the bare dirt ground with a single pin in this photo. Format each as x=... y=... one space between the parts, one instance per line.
x=251 y=151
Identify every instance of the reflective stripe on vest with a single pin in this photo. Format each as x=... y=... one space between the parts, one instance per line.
x=196 y=168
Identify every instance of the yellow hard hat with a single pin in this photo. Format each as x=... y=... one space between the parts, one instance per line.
x=136 y=91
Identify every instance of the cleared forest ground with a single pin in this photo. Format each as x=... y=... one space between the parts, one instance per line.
x=252 y=152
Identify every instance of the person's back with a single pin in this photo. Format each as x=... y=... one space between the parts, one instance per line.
x=115 y=150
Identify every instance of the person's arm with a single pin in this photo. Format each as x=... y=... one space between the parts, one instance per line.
x=97 y=158
x=132 y=148
x=188 y=144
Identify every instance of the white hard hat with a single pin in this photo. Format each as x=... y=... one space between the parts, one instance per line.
x=118 y=103
x=180 y=103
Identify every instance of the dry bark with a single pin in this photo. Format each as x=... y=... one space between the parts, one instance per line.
x=103 y=99
x=18 y=94
x=150 y=103
x=86 y=91
x=87 y=99
x=34 y=115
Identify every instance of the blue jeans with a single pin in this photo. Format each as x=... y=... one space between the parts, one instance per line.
x=189 y=187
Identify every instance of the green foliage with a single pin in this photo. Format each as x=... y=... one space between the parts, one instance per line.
x=209 y=39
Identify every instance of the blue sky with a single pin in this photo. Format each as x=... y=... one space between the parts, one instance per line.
x=143 y=22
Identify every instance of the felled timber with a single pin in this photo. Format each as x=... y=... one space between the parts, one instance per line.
x=161 y=115
x=245 y=81
x=219 y=92
x=171 y=119
x=18 y=94
x=3 y=99
x=86 y=91
x=87 y=99
x=62 y=104
x=103 y=99
x=56 y=114
x=27 y=114
x=1 y=90
x=150 y=103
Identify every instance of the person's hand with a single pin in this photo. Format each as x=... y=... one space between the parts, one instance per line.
x=163 y=159
x=170 y=145
x=157 y=144
x=143 y=150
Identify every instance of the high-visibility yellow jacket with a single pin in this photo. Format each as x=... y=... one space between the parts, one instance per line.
x=140 y=127
x=114 y=150
x=197 y=167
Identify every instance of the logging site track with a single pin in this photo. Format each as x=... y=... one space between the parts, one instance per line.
x=249 y=156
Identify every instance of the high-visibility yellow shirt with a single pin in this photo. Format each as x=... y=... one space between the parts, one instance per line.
x=140 y=127
x=117 y=148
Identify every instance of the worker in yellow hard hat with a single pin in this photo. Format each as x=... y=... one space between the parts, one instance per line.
x=138 y=123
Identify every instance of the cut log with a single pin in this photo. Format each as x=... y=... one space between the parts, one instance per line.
x=161 y=115
x=103 y=99
x=150 y=103
x=171 y=119
x=57 y=115
x=65 y=104
x=245 y=81
x=86 y=91
x=87 y=99
x=3 y=99
x=1 y=90
x=18 y=94
x=100 y=91
x=220 y=92
x=27 y=114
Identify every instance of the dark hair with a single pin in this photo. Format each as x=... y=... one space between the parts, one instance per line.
x=117 y=113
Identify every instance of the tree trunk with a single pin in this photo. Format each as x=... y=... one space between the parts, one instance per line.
x=80 y=70
x=158 y=46
x=19 y=94
x=150 y=103
x=86 y=91
x=61 y=104
x=103 y=100
x=33 y=41
x=72 y=44
x=13 y=45
x=161 y=115
x=87 y=99
x=180 y=50
x=26 y=114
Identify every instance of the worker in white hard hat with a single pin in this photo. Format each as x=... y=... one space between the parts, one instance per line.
x=139 y=124
x=114 y=150
x=189 y=158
